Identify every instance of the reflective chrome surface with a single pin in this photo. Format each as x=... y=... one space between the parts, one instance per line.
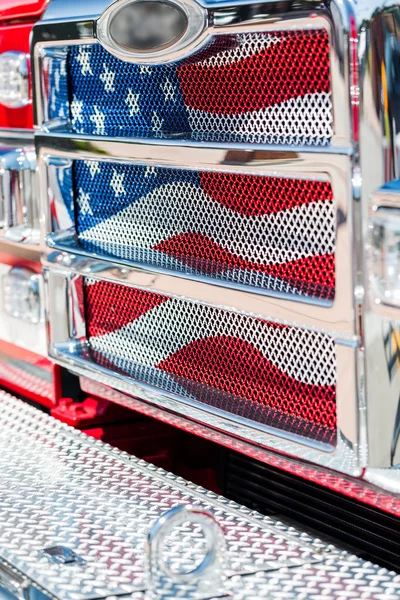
x=19 y=205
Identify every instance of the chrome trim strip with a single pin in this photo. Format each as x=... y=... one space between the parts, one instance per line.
x=336 y=317
x=67 y=345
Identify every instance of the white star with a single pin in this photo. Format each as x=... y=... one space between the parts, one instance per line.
x=169 y=90
x=145 y=70
x=108 y=79
x=76 y=111
x=150 y=171
x=63 y=68
x=83 y=59
x=93 y=167
x=157 y=122
x=83 y=201
x=132 y=100
x=61 y=112
x=98 y=119
x=117 y=183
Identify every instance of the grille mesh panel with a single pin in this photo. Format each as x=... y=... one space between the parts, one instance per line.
x=257 y=87
x=272 y=233
x=273 y=374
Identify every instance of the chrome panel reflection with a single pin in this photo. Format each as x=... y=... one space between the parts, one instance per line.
x=68 y=346
x=379 y=68
x=51 y=39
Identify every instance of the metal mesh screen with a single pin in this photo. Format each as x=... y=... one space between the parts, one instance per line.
x=270 y=88
x=268 y=232
x=269 y=373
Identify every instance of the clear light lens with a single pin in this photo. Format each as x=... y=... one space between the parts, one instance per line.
x=385 y=255
x=14 y=87
x=21 y=295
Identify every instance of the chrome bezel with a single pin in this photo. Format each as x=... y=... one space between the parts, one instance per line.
x=68 y=347
x=194 y=35
x=19 y=194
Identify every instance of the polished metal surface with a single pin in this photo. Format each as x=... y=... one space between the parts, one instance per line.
x=19 y=198
x=61 y=488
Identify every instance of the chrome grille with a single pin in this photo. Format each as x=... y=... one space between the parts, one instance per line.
x=271 y=233
x=269 y=373
x=248 y=87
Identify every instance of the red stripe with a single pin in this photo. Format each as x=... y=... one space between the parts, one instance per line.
x=297 y=65
x=110 y=306
x=236 y=367
x=252 y=195
x=201 y=253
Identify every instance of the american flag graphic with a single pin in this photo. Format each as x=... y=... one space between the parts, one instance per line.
x=270 y=88
x=271 y=233
x=269 y=373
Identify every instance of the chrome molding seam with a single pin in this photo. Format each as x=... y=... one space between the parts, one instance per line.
x=65 y=263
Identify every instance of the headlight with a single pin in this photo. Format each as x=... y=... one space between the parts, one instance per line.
x=14 y=83
x=21 y=297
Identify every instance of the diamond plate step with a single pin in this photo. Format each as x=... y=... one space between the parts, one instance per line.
x=59 y=487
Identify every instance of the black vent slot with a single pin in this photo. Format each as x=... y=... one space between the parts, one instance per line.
x=368 y=532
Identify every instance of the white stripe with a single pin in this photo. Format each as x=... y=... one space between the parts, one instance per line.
x=180 y=208
x=247 y=45
x=167 y=328
x=294 y=121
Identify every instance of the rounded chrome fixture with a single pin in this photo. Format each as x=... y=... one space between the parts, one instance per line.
x=14 y=83
x=148 y=25
x=145 y=31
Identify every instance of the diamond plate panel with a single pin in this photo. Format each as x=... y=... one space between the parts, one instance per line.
x=59 y=487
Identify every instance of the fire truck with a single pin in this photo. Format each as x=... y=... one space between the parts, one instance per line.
x=199 y=299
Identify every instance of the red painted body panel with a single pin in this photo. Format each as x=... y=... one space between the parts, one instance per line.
x=16 y=37
x=21 y=9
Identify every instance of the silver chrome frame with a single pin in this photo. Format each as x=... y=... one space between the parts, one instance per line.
x=64 y=264
x=68 y=346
